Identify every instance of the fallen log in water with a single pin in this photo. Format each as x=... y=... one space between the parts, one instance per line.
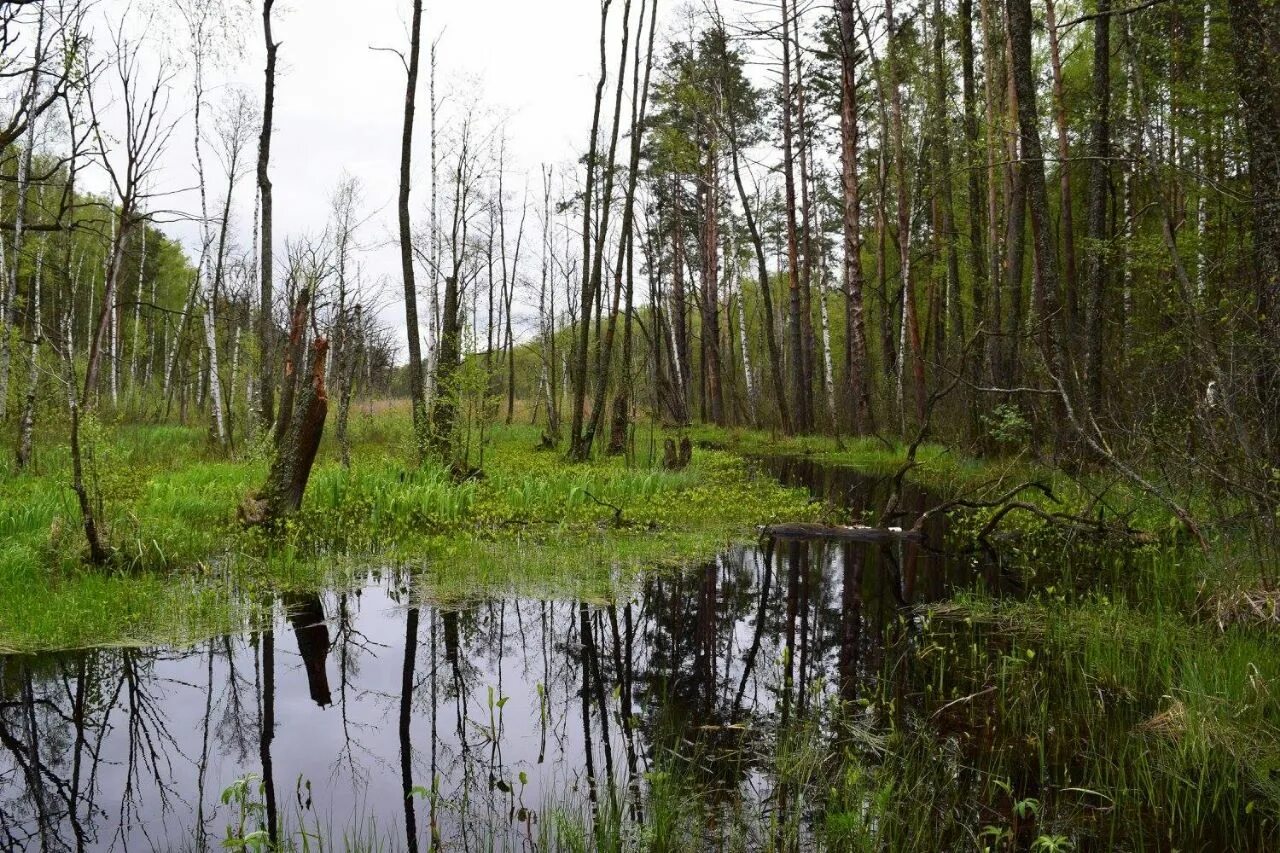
x=840 y=533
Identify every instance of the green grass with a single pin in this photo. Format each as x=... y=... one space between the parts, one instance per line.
x=1095 y=492
x=184 y=568
x=1128 y=694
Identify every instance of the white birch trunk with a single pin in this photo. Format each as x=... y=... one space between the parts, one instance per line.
x=1202 y=202
x=9 y=293
x=746 y=356
x=235 y=376
x=151 y=336
x=902 y=325
x=828 y=373
x=26 y=429
x=1130 y=214
x=137 y=314
x=172 y=363
x=113 y=328
x=215 y=384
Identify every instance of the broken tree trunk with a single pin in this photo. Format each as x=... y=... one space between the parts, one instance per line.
x=287 y=481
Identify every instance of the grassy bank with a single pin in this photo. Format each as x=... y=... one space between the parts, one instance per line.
x=1124 y=700
x=185 y=569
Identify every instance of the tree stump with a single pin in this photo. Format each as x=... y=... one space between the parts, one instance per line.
x=287 y=481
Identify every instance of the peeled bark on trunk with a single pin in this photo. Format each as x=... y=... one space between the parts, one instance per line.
x=680 y=326
x=287 y=481
x=828 y=373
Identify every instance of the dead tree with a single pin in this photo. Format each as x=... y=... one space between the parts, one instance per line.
x=299 y=427
x=266 y=382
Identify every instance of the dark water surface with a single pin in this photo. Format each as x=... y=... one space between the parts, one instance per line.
x=507 y=708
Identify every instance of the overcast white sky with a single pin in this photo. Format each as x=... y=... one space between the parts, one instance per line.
x=339 y=103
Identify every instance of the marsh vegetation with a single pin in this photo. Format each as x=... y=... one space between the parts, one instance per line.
x=866 y=437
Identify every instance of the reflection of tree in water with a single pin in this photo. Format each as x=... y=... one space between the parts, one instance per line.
x=306 y=615
x=707 y=665
x=56 y=712
x=350 y=645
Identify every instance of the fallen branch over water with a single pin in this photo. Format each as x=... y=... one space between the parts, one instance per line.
x=1006 y=504
x=840 y=533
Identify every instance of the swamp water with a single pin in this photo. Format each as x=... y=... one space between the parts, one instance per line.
x=369 y=719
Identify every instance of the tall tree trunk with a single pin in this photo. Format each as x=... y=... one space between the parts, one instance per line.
x=808 y=252
x=266 y=329
x=590 y=284
x=8 y=307
x=710 y=287
x=855 y=352
x=1096 y=271
x=1019 y=16
x=1255 y=31
x=952 y=304
x=1203 y=149
x=753 y=406
x=974 y=198
x=679 y=311
x=416 y=388
x=803 y=412
x=996 y=345
x=604 y=342
x=766 y=291
x=910 y=336
x=1066 y=209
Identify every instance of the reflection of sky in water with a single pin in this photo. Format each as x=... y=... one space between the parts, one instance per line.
x=135 y=746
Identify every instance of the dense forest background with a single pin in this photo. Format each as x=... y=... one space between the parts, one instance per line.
x=1044 y=228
